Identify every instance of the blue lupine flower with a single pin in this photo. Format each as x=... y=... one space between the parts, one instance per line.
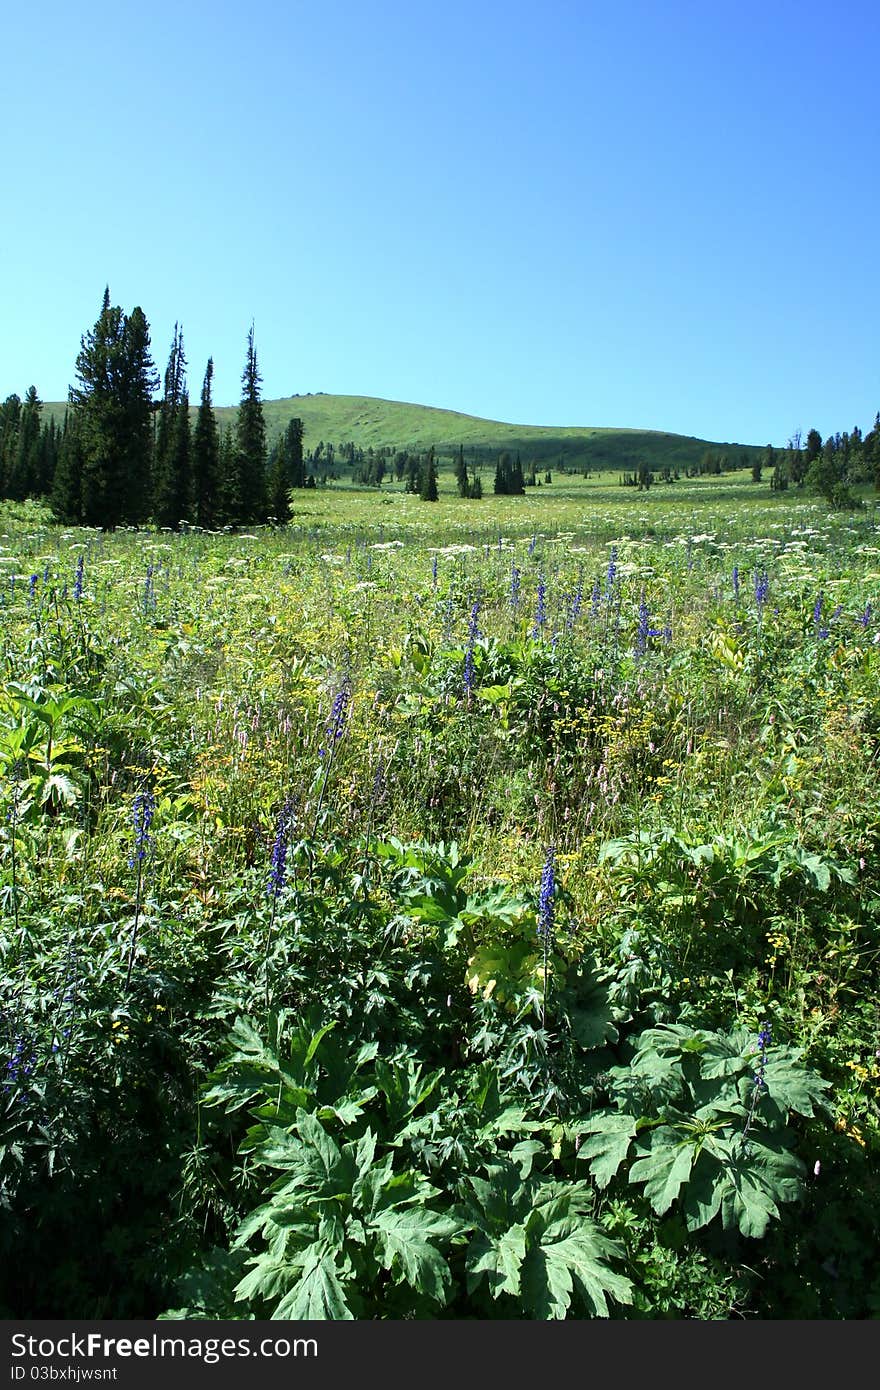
x=32 y=588
x=473 y=634
x=20 y=1065
x=80 y=574
x=611 y=573
x=278 y=866
x=595 y=599
x=532 y=543
x=864 y=618
x=434 y=572
x=540 y=608
x=336 y=723
x=736 y=581
x=546 y=895
x=644 y=627
x=762 y=588
x=143 y=811
x=515 y=579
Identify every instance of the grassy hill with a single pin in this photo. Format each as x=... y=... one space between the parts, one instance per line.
x=368 y=421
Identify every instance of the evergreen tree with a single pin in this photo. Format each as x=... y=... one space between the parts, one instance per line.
x=172 y=482
x=66 y=496
x=47 y=459
x=10 y=422
x=428 y=478
x=286 y=470
x=251 y=441
x=412 y=474
x=205 y=458
x=113 y=408
x=461 y=474
x=228 y=495
x=872 y=452
x=25 y=470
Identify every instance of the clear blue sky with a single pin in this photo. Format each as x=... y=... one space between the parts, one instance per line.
x=661 y=215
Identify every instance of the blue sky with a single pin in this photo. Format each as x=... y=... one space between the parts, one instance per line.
x=657 y=215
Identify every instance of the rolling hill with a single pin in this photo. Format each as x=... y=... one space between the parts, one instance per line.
x=370 y=422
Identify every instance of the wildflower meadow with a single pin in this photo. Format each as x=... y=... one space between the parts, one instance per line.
x=455 y=911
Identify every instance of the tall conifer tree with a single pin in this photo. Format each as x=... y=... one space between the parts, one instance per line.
x=112 y=404
x=171 y=469
x=251 y=441
x=206 y=458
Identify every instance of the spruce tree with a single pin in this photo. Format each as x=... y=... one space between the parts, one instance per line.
x=112 y=406
x=428 y=478
x=66 y=496
x=228 y=495
x=251 y=441
x=172 y=483
x=10 y=423
x=206 y=458
x=47 y=459
x=286 y=470
x=461 y=473
x=25 y=469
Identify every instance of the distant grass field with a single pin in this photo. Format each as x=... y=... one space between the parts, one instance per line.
x=369 y=422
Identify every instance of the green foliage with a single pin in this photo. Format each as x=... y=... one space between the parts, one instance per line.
x=702 y=1128
x=436 y=1111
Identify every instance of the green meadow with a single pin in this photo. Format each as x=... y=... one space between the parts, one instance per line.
x=441 y=910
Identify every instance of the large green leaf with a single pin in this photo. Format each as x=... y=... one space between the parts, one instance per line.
x=666 y=1162
x=744 y=1181
x=791 y=1086
x=572 y=1254
x=317 y=1294
x=404 y=1240
x=610 y=1135
x=498 y=1259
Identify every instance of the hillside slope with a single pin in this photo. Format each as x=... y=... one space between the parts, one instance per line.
x=370 y=422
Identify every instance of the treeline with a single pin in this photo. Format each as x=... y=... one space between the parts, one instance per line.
x=124 y=458
x=831 y=467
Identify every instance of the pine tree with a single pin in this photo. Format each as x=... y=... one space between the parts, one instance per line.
x=47 y=459
x=428 y=478
x=172 y=483
x=25 y=469
x=461 y=474
x=113 y=408
x=228 y=496
x=205 y=467
x=251 y=440
x=10 y=423
x=66 y=496
x=286 y=470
